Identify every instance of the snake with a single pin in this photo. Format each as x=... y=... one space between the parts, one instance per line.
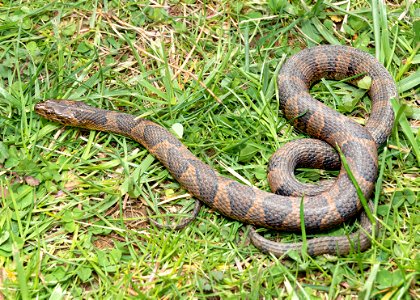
x=322 y=208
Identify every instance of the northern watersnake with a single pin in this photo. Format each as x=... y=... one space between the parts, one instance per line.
x=321 y=211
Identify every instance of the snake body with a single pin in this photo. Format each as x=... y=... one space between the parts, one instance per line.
x=323 y=209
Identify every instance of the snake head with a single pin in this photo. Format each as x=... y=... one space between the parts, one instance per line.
x=62 y=111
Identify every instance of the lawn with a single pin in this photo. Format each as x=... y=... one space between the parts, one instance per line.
x=75 y=203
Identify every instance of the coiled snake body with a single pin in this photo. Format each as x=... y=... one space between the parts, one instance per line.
x=322 y=209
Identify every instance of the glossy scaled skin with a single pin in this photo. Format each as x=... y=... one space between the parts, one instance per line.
x=247 y=204
x=296 y=76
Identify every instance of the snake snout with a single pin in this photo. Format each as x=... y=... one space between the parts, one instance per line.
x=54 y=110
x=43 y=109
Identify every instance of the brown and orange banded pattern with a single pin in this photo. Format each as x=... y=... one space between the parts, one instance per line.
x=327 y=209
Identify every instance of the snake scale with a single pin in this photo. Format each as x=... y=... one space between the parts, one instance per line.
x=324 y=207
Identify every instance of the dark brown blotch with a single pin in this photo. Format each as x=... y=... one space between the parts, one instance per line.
x=88 y=117
x=207 y=181
x=346 y=209
x=316 y=208
x=126 y=122
x=154 y=134
x=177 y=164
x=241 y=198
x=274 y=216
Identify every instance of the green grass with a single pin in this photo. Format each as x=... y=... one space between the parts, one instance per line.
x=73 y=203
